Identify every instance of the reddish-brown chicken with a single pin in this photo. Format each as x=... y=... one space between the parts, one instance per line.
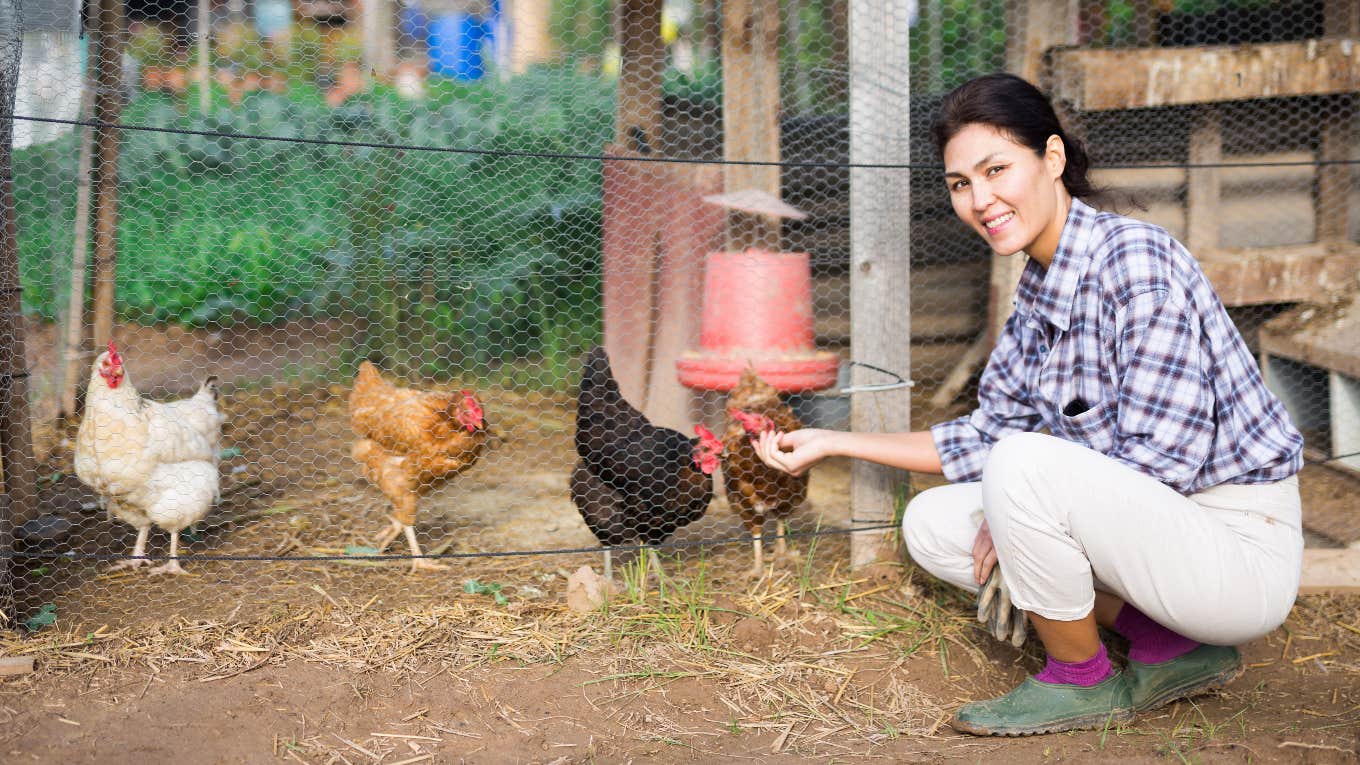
x=756 y=492
x=412 y=441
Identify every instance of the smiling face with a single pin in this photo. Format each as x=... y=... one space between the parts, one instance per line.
x=1013 y=198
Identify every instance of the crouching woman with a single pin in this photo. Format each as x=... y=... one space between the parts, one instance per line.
x=1162 y=503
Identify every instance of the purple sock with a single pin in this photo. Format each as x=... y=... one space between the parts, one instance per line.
x=1150 y=642
x=1087 y=673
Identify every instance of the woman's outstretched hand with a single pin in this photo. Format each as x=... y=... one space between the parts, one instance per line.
x=793 y=452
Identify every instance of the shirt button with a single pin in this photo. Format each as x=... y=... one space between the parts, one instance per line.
x=1043 y=348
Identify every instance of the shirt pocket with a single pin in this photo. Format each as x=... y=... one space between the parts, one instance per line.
x=1093 y=428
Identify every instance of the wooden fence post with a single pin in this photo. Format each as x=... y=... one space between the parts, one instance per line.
x=880 y=258
x=108 y=107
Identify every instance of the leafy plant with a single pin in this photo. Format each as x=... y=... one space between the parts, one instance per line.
x=474 y=587
x=487 y=262
x=45 y=616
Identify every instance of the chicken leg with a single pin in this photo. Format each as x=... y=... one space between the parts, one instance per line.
x=758 y=547
x=418 y=563
x=781 y=549
x=138 y=550
x=171 y=566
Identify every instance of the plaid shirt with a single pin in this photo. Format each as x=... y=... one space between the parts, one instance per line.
x=1123 y=346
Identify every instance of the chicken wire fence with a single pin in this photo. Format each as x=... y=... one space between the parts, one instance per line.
x=473 y=195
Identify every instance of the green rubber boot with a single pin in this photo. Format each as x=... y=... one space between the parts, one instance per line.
x=1203 y=669
x=1038 y=707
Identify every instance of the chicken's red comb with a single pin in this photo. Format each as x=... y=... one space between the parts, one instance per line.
x=750 y=421
x=705 y=434
x=113 y=354
x=471 y=404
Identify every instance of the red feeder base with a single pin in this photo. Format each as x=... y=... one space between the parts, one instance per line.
x=788 y=374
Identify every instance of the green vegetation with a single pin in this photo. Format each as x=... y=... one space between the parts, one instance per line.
x=456 y=256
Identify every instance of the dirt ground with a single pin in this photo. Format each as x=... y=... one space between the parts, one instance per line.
x=337 y=658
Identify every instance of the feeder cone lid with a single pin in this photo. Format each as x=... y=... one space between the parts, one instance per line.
x=756 y=202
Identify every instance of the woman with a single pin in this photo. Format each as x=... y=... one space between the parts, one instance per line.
x=1164 y=504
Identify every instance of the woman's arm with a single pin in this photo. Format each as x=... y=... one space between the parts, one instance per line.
x=799 y=450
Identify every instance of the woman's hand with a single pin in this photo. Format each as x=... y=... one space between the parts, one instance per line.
x=793 y=452
x=984 y=554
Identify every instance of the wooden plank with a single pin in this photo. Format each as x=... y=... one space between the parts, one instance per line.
x=1340 y=17
x=1317 y=272
x=1203 y=184
x=1315 y=336
x=1330 y=571
x=750 y=55
x=1132 y=78
x=16 y=665
x=1033 y=28
x=880 y=256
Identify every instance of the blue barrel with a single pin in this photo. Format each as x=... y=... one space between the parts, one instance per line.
x=456 y=46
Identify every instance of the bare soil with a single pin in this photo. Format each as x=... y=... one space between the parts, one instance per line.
x=349 y=659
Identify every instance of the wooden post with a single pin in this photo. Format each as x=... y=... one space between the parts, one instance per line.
x=203 y=23
x=1203 y=184
x=74 y=334
x=750 y=56
x=16 y=434
x=378 y=27
x=1341 y=18
x=108 y=107
x=637 y=123
x=880 y=258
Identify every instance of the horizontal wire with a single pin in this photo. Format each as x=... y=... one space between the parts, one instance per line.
x=72 y=556
x=442 y=556
x=647 y=158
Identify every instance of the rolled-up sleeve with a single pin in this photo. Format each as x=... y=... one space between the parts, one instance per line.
x=1004 y=407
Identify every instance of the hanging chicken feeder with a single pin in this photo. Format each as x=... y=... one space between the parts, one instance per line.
x=757 y=311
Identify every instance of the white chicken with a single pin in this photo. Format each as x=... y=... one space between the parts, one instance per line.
x=149 y=462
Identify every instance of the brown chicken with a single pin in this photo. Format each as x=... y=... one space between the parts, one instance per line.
x=756 y=492
x=410 y=442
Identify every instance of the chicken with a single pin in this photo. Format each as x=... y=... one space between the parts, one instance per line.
x=755 y=491
x=410 y=442
x=635 y=482
x=149 y=462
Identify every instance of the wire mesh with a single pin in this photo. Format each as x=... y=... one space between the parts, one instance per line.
x=475 y=194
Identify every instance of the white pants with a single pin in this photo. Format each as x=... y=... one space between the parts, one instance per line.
x=1221 y=566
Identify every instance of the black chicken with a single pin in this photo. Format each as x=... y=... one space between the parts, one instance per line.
x=635 y=482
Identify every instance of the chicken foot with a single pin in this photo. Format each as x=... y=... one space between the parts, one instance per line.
x=138 y=551
x=418 y=563
x=389 y=535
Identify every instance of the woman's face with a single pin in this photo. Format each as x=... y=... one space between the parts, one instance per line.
x=1013 y=198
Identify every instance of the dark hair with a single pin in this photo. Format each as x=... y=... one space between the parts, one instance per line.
x=1019 y=110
